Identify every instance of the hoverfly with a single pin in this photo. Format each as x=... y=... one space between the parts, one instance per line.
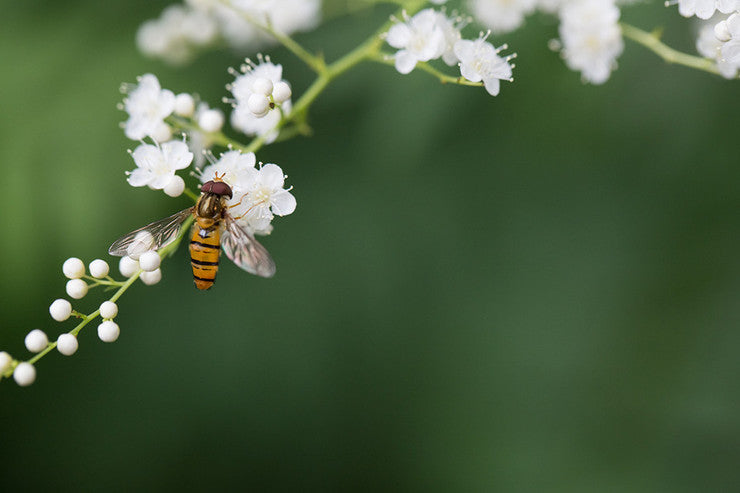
x=214 y=229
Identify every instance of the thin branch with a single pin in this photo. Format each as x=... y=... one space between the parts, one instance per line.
x=387 y=59
x=652 y=42
x=313 y=61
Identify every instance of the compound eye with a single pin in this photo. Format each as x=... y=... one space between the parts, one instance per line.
x=207 y=187
x=221 y=188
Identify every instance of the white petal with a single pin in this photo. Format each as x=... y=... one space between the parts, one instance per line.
x=145 y=156
x=464 y=50
x=399 y=35
x=139 y=177
x=492 y=86
x=405 y=62
x=176 y=154
x=272 y=176
x=731 y=52
x=136 y=128
x=283 y=203
x=158 y=182
x=467 y=71
x=733 y=24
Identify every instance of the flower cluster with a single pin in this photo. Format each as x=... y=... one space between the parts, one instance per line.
x=77 y=287
x=430 y=35
x=502 y=16
x=591 y=37
x=261 y=98
x=720 y=41
x=258 y=193
x=184 y=29
x=705 y=9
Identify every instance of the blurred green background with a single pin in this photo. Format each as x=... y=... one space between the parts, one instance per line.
x=533 y=292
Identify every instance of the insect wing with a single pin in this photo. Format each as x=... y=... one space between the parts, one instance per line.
x=152 y=236
x=245 y=251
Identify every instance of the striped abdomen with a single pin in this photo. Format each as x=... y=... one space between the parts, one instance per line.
x=204 y=252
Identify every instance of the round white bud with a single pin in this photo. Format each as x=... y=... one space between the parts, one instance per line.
x=184 y=104
x=60 y=310
x=722 y=32
x=151 y=278
x=162 y=133
x=262 y=85
x=175 y=187
x=67 y=344
x=73 y=268
x=108 y=309
x=36 y=341
x=149 y=261
x=108 y=331
x=211 y=120
x=5 y=361
x=99 y=268
x=258 y=104
x=281 y=92
x=76 y=288
x=142 y=242
x=24 y=374
x=128 y=266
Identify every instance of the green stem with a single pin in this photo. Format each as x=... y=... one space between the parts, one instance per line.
x=387 y=59
x=124 y=285
x=180 y=123
x=652 y=42
x=366 y=51
x=316 y=63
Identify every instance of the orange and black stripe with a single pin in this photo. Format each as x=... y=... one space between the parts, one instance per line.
x=204 y=252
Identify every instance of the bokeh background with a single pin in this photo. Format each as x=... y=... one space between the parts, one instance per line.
x=533 y=292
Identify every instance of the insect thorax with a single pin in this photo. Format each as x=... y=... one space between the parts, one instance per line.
x=210 y=207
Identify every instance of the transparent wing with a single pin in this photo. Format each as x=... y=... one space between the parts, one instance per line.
x=245 y=251
x=152 y=236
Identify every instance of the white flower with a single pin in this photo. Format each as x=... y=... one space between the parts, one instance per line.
x=67 y=344
x=501 y=16
x=709 y=46
x=128 y=266
x=285 y=16
x=419 y=39
x=73 y=268
x=99 y=268
x=5 y=361
x=231 y=166
x=60 y=310
x=258 y=194
x=209 y=119
x=24 y=374
x=156 y=164
x=243 y=87
x=36 y=341
x=450 y=27
x=281 y=92
x=730 y=49
x=479 y=61
x=265 y=197
x=704 y=9
x=591 y=37
x=108 y=310
x=149 y=261
x=76 y=288
x=108 y=331
x=147 y=105
x=184 y=104
x=151 y=278
x=177 y=33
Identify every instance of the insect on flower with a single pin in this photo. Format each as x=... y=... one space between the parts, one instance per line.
x=213 y=230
